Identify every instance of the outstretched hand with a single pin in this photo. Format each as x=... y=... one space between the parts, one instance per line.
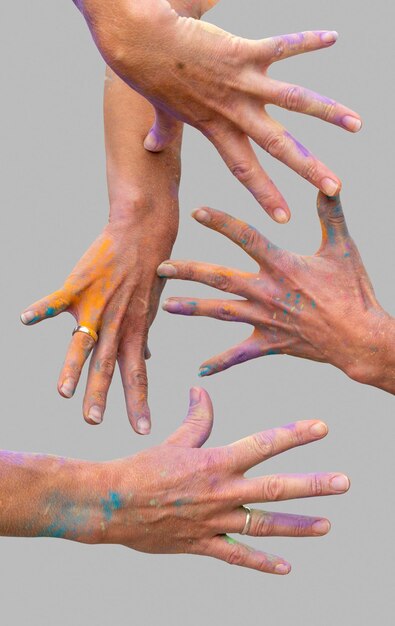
x=320 y=307
x=182 y=498
x=114 y=291
x=218 y=83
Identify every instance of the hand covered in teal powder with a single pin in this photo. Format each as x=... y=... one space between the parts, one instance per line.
x=320 y=307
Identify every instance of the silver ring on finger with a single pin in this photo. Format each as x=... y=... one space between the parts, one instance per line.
x=247 y=524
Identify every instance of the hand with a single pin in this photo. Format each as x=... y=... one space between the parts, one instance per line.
x=219 y=84
x=181 y=498
x=114 y=291
x=319 y=307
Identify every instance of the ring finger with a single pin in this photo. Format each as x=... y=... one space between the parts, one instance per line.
x=78 y=351
x=268 y=524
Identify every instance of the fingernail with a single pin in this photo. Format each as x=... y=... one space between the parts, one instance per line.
x=329 y=186
x=95 y=414
x=27 y=317
x=143 y=426
x=171 y=306
x=319 y=429
x=281 y=216
x=68 y=388
x=282 y=568
x=165 y=270
x=330 y=36
x=205 y=371
x=352 y=123
x=151 y=143
x=322 y=527
x=194 y=396
x=340 y=483
x=202 y=216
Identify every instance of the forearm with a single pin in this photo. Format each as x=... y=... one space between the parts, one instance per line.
x=378 y=366
x=48 y=496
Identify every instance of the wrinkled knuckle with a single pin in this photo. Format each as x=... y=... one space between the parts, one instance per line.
x=309 y=170
x=243 y=171
x=292 y=98
x=107 y=367
x=221 y=281
x=249 y=237
x=138 y=378
x=86 y=341
x=278 y=47
x=235 y=556
x=265 y=526
x=273 y=488
x=328 y=111
x=275 y=145
x=264 y=444
x=224 y=312
x=336 y=215
x=316 y=486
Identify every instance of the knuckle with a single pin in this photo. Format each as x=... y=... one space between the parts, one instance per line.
x=249 y=237
x=328 y=111
x=243 y=171
x=106 y=367
x=316 y=486
x=235 y=556
x=273 y=488
x=292 y=98
x=275 y=145
x=138 y=378
x=265 y=526
x=264 y=444
x=86 y=342
x=278 y=47
x=309 y=170
x=221 y=281
x=224 y=312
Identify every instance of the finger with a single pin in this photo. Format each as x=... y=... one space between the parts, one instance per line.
x=286 y=46
x=50 y=306
x=333 y=224
x=135 y=382
x=235 y=553
x=164 y=131
x=238 y=154
x=281 y=145
x=264 y=445
x=101 y=371
x=301 y=100
x=244 y=351
x=78 y=351
x=225 y=310
x=197 y=426
x=267 y=524
x=223 y=278
x=257 y=246
x=290 y=486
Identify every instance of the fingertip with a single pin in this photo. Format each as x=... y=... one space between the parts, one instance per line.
x=283 y=569
x=152 y=144
x=352 y=123
x=67 y=388
x=205 y=370
x=27 y=317
x=321 y=527
x=281 y=216
x=201 y=215
x=194 y=396
x=319 y=429
x=166 y=270
x=94 y=416
x=143 y=425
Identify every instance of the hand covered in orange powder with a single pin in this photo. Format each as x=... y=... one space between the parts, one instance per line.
x=320 y=307
x=114 y=291
x=219 y=84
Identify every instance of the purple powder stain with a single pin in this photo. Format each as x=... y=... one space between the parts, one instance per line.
x=301 y=149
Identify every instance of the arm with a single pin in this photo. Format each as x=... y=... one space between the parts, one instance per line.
x=219 y=84
x=161 y=500
x=320 y=307
x=114 y=289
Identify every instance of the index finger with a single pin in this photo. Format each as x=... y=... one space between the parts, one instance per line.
x=256 y=245
x=259 y=447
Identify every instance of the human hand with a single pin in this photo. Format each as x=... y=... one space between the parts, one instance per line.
x=113 y=290
x=219 y=84
x=320 y=307
x=182 y=498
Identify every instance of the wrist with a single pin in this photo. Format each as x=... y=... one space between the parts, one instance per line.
x=374 y=351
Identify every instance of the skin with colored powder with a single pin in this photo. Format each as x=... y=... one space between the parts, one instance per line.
x=320 y=307
x=174 y=498
x=217 y=82
x=114 y=289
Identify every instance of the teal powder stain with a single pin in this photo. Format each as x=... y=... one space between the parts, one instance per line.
x=113 y=503
x=50 y=312
x=54 y=530
x=331 y=235
x=182 y=502
x=288 y=295
x=272 y=351
x=97 y=366
x=346 y=255
x=313 y=304
x=205 y=371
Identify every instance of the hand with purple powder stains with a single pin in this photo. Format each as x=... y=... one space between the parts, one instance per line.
x=320 y=307
x=177 y=497
x=197 y=73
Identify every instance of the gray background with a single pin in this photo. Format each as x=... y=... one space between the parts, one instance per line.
x=54 y=204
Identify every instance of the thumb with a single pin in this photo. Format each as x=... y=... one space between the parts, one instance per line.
x=197 y=426
x=165 y=129
x=333 y=223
